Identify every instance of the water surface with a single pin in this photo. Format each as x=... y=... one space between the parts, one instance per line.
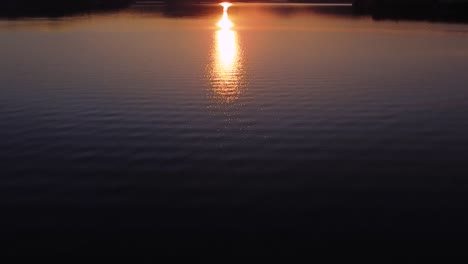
x=295 y=118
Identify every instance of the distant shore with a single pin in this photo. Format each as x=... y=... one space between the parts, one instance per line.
x=57 y=8
x=414 y=5
x=435 y=10
x=413 y=9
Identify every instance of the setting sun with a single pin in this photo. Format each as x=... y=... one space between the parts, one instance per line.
x=226 y=5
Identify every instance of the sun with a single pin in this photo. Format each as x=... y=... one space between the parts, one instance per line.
x=225 y=23
x=225 y=5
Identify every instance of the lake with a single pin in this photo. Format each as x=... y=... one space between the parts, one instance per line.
x=301 y=124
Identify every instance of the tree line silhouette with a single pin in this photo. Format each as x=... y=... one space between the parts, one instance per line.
x=434 y=10
x=57 y=8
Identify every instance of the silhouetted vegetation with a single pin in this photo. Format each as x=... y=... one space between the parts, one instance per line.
x=190 y=8
x=291 y=10
x=176 y=9
x=434 y=10
x=57 y=8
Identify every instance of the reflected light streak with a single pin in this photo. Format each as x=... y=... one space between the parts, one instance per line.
x=225 y=23
x=226 y=47
x=226 y=73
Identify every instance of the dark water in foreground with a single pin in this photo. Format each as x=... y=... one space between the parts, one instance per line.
x=150 y=130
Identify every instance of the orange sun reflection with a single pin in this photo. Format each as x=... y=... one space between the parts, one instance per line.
x=226 y=73
x=225 y=23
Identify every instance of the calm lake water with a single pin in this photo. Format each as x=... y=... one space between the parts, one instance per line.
x=300 y=121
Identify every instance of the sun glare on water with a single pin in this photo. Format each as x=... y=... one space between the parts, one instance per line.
x=225 y=5
x=226 y=38
x=226 y=74
x=225 y=23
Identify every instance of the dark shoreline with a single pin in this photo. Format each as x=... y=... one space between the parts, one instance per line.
x=431 y=10
x=57 y=8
